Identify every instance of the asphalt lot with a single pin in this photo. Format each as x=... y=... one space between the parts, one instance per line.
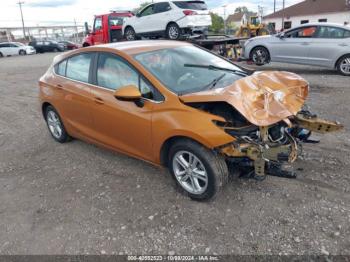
x=76 y=198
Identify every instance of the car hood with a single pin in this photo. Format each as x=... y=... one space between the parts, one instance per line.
x=263 y=98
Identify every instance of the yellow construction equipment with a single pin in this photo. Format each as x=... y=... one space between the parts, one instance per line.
x=252 y=27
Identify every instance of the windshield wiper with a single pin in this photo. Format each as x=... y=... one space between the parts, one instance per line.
x=213 y=67
x=213 y=83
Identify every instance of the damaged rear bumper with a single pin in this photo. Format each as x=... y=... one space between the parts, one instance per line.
x=264 y=151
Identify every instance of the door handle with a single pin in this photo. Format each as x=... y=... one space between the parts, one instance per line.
x=99 y=101
x=58 y=86
x=305 y=43
x=343 y=44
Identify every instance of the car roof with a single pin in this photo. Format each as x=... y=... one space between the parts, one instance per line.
x=141 y=46
x=322 y=24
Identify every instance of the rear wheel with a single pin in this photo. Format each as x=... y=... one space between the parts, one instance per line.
x=22 y=52
x=1 y=55
x=198 y=171
x=55 y=125
x=130 y=34
x=263 y=31
x=260 y=55
x=55 y=50
x=343 y=65
x=173 y=32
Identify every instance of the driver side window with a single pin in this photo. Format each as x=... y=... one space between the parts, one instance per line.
x=148 y=11
x=114 y=73
x=98 y=24
x=305 y=32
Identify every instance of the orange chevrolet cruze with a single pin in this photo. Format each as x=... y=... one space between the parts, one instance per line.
x=174 y=104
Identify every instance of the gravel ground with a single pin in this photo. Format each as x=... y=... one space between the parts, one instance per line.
x=76 y=198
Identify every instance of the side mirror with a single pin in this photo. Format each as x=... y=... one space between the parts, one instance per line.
x=281 y=35
x=138 y=15
x=128 y=93
x=87 y=31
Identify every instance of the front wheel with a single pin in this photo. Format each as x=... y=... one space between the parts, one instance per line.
x=198 y=171
x=173 y=32
x=260 y=56
x=130 y=34
x=22 y=52
x=343 y=65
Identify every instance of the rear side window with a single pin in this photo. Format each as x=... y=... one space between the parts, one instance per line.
x=78 y=67
x=161 y=7
x=61 y=68
x=193 y=5
x=330 y=32
x=346 y=34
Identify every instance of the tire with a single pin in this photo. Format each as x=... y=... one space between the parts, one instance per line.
x=343 y=65
x=260 y=56
x=263 y=31
x=212 y=170
x=130 y=34
x=246 y=33
x=55 y=50
x=173 y=32
x=1 y=55
x=53 y=120
x=22 y=52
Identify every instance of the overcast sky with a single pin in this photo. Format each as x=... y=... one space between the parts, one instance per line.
x=49 y=12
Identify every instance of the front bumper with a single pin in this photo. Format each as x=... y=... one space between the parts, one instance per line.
x=264 y=152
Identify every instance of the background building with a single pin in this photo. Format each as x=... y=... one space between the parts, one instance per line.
x=310 y=11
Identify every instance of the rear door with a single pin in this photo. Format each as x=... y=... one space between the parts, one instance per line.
x=162 y=16
x=294 y=47
x=329 y=44
x=74 y=92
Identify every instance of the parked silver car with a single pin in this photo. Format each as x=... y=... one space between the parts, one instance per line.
x=320 y=44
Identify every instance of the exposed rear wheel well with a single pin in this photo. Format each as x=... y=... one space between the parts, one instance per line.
x=86 y=44
x=164 y=152
x=43 y=108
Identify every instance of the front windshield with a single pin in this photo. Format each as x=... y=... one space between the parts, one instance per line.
x=115 y=21
x=189 y=69
x=18 y=44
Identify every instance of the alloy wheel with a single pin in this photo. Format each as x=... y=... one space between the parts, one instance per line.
x=259 y=56
x=173 y=32
x=130 y=35
x=54 y=123
x=345 y=65
x=190 y=172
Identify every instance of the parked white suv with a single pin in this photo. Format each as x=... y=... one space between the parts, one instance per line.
x=171 y=19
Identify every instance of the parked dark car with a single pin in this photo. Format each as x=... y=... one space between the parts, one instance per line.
x=47 y=46
x=69 y=45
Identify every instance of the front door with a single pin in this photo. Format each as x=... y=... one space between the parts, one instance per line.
x=144 y=21
x=294 y=46
x=122 y=125
x=98 y=31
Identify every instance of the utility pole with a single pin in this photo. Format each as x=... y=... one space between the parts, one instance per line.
x=225 y=25
x=20 y=8
x=283 y=15
x=274 y=6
